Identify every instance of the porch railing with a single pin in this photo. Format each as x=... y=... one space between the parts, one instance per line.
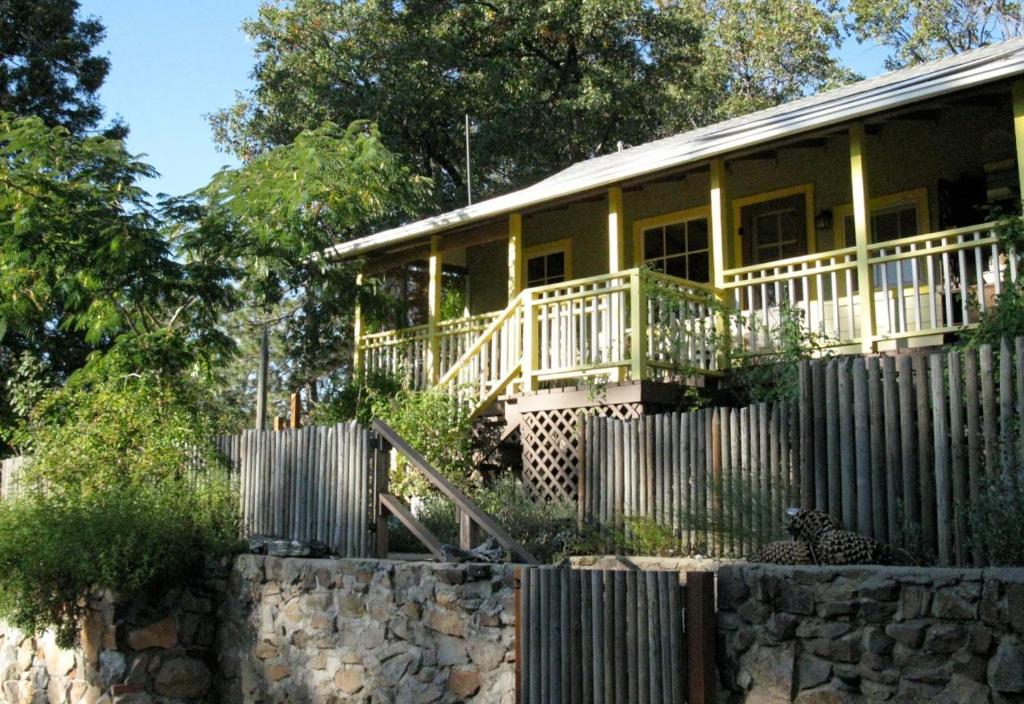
x=924 y=285
x=633 y=324
x=639 y=324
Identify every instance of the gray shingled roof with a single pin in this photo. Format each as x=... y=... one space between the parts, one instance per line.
x=857 y=100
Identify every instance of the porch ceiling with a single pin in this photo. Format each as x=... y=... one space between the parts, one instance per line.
x=855 y=101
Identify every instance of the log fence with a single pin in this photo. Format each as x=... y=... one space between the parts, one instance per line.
x=10 y=476
x=903 y=449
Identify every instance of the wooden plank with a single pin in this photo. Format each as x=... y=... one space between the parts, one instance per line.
x=587 y=636
x=925 y=458
x=941 y=451
x=1006 y=407
x=876 y=427
x=989 y=420
x=910 y=503
x=664 y=625
x=399 y=510
x=575 y=638
x=536 y=625
x=632 y=661
x=654 y=637
x=517 y=584
x=675 y=624
x=835 y=507
x=608 y=611
x=565 y=648
x=847 y=454
x=820 y=435
x=597 y=628
x=621 y=658
x=643 y=672
x=701 y=669
x=716 y=480
x=807 y=474
x=893 y=473
x=453 y=493
x=862 y=448
x=957 y=459
x=546 y=656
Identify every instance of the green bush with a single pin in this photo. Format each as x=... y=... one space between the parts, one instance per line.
x=994 y=527
x=125 y=493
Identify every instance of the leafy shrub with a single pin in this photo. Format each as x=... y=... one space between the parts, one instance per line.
x=775 y=375
x=994 y=523
x=542 y=528
x=437 y=425
x=358 y=400
x=125 y=492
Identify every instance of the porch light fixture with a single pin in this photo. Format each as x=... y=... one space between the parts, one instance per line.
x=823 y=220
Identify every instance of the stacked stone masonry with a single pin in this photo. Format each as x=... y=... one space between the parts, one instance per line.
x=128 y=652
x=871 y=634
x=367 y=630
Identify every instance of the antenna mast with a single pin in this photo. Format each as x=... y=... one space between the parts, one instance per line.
x=469 y=179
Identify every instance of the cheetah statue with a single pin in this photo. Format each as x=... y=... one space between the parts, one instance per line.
x=820 y=539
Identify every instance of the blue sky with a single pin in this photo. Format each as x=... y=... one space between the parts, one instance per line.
x=175 y=61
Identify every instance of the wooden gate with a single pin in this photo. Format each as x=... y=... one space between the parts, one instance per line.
x=611 y=636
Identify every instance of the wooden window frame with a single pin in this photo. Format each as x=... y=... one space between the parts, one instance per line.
x=678 y=216
x=917 y=196
x=805 y=189
x=544 y=249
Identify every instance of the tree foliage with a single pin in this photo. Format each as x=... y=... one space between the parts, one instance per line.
x=760 y=53
x=48 y=67
x=922 y=30
x=545 y=83
x=270 y=220
x=125 y=492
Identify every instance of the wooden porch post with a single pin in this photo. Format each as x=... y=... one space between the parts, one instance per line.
x=1018 y=130
x=862 y=228
x=719 y=223
x=719 y=200
x=434 y=312
x=515 y=255
x=616 y=237
x=616 y=262
x=357 y=331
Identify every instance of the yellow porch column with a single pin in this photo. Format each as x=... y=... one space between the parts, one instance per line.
x=616 y=236
x=1018 y=130
x=862 y=228
x=719 y=223
x=357 y=331
x=719 y=201
x=434 y=312
x=515 y=255
x=616 y=263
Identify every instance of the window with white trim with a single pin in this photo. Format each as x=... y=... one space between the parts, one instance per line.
x=679 y=249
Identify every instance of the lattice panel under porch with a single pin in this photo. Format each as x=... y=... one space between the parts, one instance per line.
x=551 y=448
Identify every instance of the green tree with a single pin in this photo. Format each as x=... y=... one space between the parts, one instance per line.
x=545 y=83
x=922 y=30
x=48 y=67
x=271 y=219
x=760 y=53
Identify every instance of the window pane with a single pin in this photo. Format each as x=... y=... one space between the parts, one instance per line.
x=556 y=265
x=653 y=245
x=700 y=270
x=675 y=239
x=792 y=225
x=850 y=228
x=908 y=222
x=535 y=269
x=766 y=229
x=886 y=226
x=697 y=234
x=676 y=266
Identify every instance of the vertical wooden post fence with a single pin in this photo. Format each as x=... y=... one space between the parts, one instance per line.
x=902 y=449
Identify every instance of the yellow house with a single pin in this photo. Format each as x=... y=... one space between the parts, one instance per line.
x=866 y=210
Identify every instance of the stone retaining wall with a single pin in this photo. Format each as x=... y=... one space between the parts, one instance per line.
x=348 y=630
x=129 y=652
x=871 y=634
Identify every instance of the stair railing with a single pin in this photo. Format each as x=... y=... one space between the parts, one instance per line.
x=387 y=504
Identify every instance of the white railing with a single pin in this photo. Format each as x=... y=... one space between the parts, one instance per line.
x=404 y=352
x=923 y=285
x=492 y=361
x=820 y=288
x=937 y=282
x=684 y=326
x=580 y=327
